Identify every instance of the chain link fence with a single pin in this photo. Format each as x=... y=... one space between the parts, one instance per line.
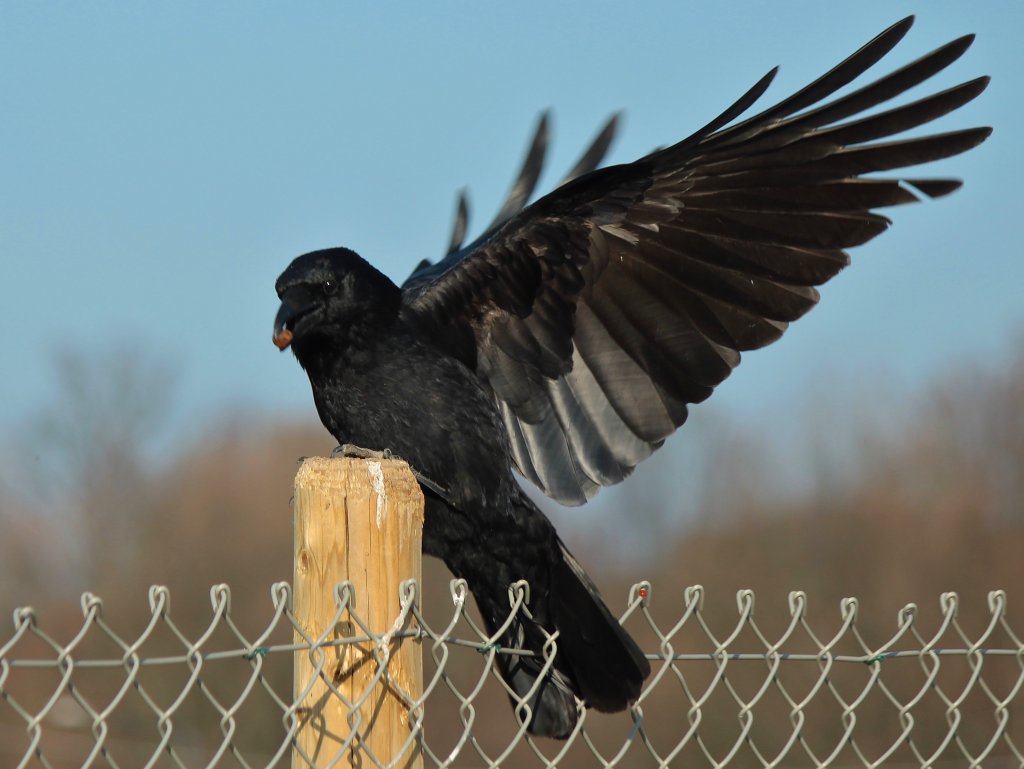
x=757 y=691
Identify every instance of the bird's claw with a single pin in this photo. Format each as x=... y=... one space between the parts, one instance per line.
x=351 y=451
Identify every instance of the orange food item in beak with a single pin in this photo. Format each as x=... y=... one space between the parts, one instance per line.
x=282 y=339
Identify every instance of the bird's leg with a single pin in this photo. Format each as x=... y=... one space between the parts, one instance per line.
x=350 y=450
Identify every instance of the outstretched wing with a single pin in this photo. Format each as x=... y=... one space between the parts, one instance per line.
x=599 y=312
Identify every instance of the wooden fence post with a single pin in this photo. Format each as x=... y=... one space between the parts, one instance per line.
x=357 y=520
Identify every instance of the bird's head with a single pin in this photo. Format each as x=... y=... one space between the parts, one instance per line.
x=328 y=293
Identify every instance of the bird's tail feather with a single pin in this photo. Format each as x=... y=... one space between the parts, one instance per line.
x=608 y=667
x=594 y=659
x=542 y=696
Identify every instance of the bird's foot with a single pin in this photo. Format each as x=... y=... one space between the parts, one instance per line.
x=351 y=451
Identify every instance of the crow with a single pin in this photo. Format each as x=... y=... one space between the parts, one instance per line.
x=569 y=339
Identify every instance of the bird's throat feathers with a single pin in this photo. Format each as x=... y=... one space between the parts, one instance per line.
x=333 y=347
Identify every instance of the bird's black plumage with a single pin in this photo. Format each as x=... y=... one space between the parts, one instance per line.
x=568 y=340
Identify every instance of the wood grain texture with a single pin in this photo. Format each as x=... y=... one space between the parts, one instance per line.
x=357 y=521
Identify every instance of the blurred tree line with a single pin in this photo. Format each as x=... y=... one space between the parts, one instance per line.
x=926 y=501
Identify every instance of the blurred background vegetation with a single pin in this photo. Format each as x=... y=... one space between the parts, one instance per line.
x=890 y=499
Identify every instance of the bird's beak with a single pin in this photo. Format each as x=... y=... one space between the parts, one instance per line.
x=283 y=323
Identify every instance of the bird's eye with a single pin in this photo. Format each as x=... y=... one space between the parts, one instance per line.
x=330 y=287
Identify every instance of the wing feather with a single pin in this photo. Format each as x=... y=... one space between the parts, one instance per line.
x=600 y=312
x=627 y=447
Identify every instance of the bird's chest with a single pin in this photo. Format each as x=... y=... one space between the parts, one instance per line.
x=428 y=409
x=420 y=405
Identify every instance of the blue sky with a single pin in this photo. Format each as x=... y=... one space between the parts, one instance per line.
x=162 y=163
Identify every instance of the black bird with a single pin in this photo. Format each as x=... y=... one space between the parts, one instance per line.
x=567 y=340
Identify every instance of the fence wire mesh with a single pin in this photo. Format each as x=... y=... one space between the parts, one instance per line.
x=752 y=692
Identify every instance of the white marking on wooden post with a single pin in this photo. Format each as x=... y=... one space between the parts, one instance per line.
x=377 y=478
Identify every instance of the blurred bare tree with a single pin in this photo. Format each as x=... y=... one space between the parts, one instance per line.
x=93 y=440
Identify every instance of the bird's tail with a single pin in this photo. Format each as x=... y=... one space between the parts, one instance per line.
x=594 y=659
